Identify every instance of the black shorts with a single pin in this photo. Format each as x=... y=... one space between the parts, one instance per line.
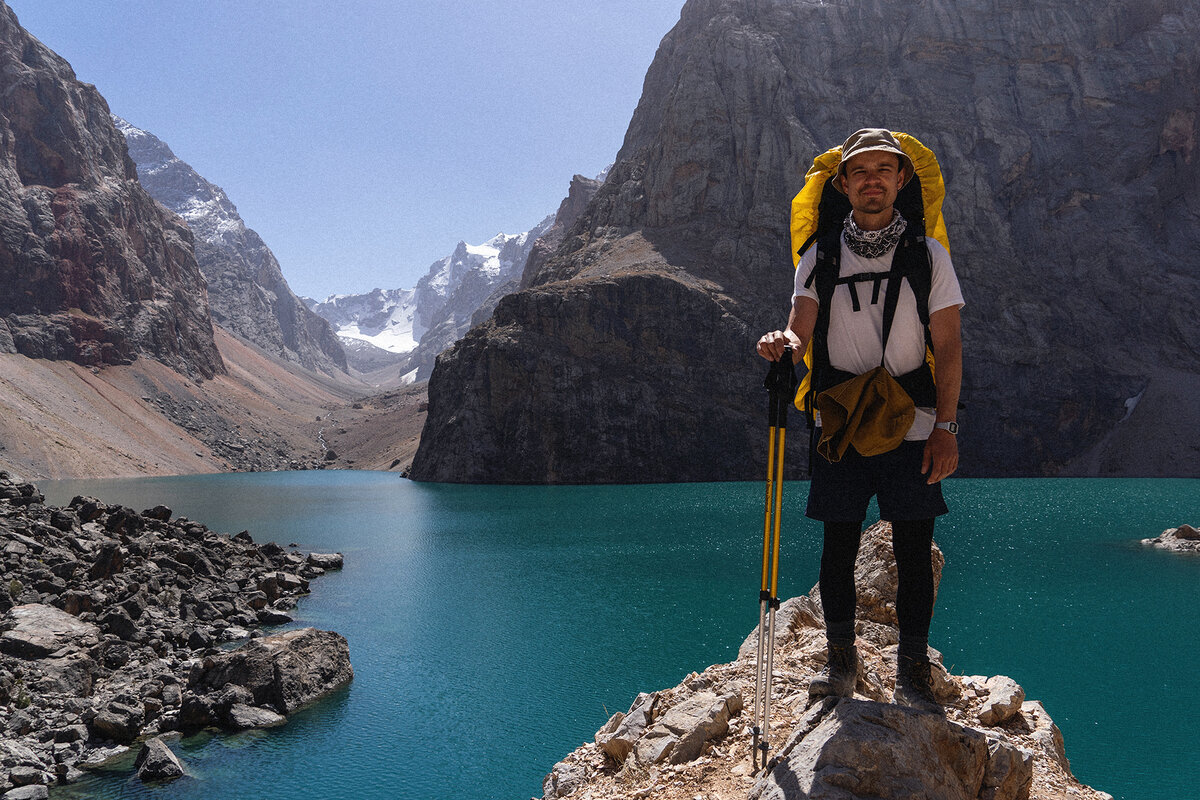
x=840 y=492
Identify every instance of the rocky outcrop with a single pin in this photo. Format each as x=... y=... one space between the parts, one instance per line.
x=277 y=674
x=629 y=355
x=113 y=627
x=1184 y=539
x=695 y=739
x=574 y=205
x=91 y=269
x=38 y=631
x=247 y=292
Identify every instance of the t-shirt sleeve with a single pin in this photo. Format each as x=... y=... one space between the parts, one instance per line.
x=807 y=261
x=944 y=290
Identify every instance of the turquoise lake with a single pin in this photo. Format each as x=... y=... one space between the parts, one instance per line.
x=494 y=629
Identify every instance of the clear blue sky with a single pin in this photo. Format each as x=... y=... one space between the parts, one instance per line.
x=364 y=138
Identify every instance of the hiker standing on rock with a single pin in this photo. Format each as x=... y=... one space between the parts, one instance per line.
x=898 y=456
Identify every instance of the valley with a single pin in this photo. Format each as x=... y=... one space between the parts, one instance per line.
x=59 y=419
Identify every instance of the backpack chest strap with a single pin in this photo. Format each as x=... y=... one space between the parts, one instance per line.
x=875 y=278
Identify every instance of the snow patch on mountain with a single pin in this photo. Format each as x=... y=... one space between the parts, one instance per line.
x=396 y=320
x=385 y=318
x=209 y=212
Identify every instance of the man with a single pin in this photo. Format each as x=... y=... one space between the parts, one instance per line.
x=906 y=480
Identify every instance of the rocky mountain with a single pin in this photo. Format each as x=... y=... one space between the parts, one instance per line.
x=1067 y=136
x=423 y=321
x=458 y=286
x=91 y=269
x=247 y=292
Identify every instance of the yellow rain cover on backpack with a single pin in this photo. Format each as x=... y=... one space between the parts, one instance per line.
x=805 y=213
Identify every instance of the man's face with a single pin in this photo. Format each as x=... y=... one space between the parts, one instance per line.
x=872 y=181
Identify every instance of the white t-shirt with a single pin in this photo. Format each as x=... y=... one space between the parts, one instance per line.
x=856 y=337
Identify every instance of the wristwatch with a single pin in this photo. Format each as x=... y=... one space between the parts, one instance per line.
x=952 y=427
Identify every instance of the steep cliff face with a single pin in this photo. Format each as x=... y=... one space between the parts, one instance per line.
x=246 y=288
x=573 y=206
x=1067 y=138
x=91 y=269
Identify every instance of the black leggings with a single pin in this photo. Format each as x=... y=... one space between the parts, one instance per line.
x=912 y=542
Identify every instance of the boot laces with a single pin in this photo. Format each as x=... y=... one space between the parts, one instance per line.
x=919 y=677
x=841 y=658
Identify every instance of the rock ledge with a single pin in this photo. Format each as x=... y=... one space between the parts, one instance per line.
x=694 y=740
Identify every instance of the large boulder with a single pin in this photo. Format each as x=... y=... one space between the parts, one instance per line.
x=118 y=722
x=684 y=729
x=1184 y=539
x=856 y=748
x=622 y=732
x=1003 y=702
x=35 y=631
x=282 y=672
x=70 y=675
x=156 y=762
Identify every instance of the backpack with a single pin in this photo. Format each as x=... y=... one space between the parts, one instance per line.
x=818 y=212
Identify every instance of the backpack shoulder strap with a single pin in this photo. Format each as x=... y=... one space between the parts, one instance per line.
x=824 y=278
x=912 y=260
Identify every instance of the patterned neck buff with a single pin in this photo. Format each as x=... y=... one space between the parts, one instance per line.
x=873 y=244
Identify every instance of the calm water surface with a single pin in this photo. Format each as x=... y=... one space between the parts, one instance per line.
x=494 y=629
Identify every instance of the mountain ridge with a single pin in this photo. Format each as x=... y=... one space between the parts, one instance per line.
x=417 y=324
x=247 y=291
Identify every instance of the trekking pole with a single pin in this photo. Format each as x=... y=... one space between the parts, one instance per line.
x=781 y=388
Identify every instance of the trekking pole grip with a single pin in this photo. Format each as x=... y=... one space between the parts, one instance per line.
x=781 y=376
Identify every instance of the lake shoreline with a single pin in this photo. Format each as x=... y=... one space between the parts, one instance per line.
x=112 y=618
x=666 y=579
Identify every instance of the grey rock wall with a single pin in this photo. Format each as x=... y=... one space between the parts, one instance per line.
x=246 y=289
x=1066 y=133
x=91 y=269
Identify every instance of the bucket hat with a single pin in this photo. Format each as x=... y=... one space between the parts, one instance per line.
x=866 y=140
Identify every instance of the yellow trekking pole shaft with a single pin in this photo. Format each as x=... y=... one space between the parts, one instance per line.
x=767 y=511
x=778 y=513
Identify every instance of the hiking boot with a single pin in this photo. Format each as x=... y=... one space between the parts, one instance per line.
x=914 y=686
x=840 y=673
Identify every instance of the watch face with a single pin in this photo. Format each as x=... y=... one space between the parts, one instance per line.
x=952 y=427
